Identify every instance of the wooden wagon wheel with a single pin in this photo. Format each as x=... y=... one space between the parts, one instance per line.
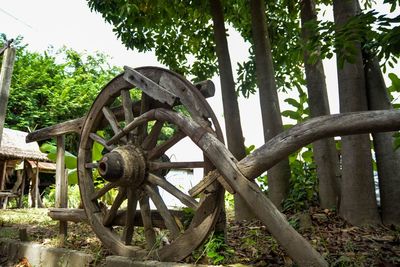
x=132 y=164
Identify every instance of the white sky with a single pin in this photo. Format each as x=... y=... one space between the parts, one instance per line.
x=71 y=23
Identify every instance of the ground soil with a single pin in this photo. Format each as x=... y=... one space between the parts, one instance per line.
x=247 y=243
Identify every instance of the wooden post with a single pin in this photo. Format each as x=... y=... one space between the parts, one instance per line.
x=35 y=187
x=3 y=200
x=21 y=196
x=5 y=82
x=3 y=175
x=61 y=184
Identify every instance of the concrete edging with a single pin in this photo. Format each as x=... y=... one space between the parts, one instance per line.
x=39 y=255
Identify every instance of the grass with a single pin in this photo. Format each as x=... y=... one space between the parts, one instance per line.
x=44 y=230
x=26 y=217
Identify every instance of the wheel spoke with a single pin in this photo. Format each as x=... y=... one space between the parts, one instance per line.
x=144 y=107
x=101 y=141
x=185 y=199
x=135 y=123
x=151 y=140
x=159 y=150
x=127 y=104
x=130 y=217
x=157 y=165
x=102 y=191
x=169 y=220
x=147 y=222
x=112 y=120
x=108 y=219
x=91 y=165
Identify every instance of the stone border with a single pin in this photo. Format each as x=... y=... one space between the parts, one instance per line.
x=112 y=261
x=39 y=255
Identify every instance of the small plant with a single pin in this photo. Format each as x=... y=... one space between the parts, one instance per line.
x=74 y=197
x=188 y=214
x=303 y=181
x=229 y=201
x=216 y=250
x=349 y=246
x=273 y=244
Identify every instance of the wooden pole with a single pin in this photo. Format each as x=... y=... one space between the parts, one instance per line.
x=3 y=175
x=5 y=82
x=24 y=177
x=36 y=186
x=3 y=182
x=61 y=184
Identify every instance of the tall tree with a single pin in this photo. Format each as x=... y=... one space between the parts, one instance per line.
x=278 y=176
x=325 y=154
x=387 y=158
x=229 y=99
x=358 y=201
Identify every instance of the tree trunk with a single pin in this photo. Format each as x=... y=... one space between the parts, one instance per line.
x=358 y=200
x=325 y=154
x=5 y=82
x=278 y=175
x=387 y=158
x=233 y=127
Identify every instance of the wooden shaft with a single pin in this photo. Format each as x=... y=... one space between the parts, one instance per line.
x=79 y=215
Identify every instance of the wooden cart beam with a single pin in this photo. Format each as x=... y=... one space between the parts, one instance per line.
x=79 y=215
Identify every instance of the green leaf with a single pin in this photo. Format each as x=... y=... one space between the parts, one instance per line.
x=250 y=149
x=293 y=102
x=51 y=151
x=70 y=161
x=292 y=114
x=72 y=177
x=307 y=156
x=97 y=148
x=395 y=82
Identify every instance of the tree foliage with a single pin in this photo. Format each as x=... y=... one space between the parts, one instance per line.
x=284 y=32
x=54 y=86
x=378 y=33
x=179 y=32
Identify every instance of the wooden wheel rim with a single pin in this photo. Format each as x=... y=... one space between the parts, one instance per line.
x=209 y=209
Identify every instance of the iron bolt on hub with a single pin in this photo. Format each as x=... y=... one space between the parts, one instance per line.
x=125 y=163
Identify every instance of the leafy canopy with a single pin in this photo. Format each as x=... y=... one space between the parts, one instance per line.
x=53 y=87
x=180 y=32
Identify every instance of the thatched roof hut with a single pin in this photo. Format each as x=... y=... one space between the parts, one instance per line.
x=13 y=146
x=13 y=151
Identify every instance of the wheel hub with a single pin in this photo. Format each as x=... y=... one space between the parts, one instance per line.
x=125 y=163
